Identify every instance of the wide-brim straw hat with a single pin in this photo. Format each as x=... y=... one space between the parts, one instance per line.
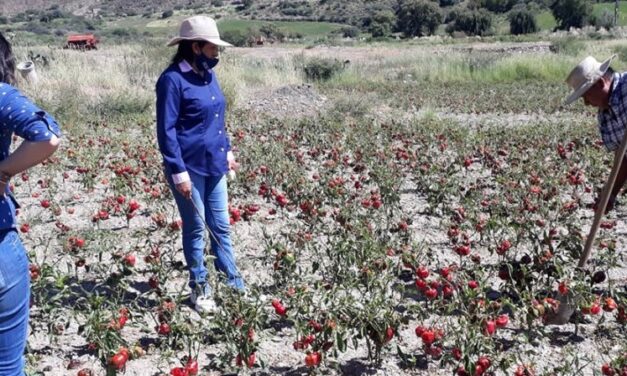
x=201 y=28
x=584 y=76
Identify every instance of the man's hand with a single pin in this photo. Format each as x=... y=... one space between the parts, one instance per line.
x=185 y=189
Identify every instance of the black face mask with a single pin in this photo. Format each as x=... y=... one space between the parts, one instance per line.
x=206 y=63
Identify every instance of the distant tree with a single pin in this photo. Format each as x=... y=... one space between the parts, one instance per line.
x=498 y=6
x=448 y=3
x=235 y=37
x=522 y=21
x=247 y=3
x=604 y=20
x=381 y=23
x=571 y=13
x=472 y=22
x=418 y=17
x=272 y=31
x=349 y=31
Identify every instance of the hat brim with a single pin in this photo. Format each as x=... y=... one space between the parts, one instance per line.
x=216 y=41
x=581 y=90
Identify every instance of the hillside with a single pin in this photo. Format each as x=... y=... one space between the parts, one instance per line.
x=315 y=10
x=93 y=7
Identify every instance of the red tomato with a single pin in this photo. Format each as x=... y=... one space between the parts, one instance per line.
x=312 y=359
x=118 y=360
x=179 y=371
x=192 y=367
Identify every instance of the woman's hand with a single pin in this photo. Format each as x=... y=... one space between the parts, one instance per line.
x=185 y=189
x=233 y=165
x=4 y=182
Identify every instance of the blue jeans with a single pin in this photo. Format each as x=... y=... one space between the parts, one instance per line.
x=210 y=196
x=14 y=303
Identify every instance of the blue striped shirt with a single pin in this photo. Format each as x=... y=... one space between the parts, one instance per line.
x=612 y=121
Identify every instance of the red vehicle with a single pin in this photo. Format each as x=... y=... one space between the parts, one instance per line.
x=81 y=42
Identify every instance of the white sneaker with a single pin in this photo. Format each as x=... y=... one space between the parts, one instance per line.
x=203 y=303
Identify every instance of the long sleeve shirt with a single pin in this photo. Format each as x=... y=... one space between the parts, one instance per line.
x=190 y=123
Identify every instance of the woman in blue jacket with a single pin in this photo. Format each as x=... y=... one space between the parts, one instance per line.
x=41 y=135
x=197 y=153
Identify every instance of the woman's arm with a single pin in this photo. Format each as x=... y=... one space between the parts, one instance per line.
x=168 y=103
x=27 y=155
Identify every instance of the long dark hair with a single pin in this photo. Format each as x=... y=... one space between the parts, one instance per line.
x=185 y=51
x=7 y=62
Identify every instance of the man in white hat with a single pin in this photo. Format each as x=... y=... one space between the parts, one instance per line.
x=606 y=90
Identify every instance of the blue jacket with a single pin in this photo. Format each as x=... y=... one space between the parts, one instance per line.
x=190 y=122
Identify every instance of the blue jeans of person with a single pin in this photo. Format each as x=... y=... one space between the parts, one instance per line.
x=14 y=303
x=209 y=194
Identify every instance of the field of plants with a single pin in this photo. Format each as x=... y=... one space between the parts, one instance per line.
x=400 y=209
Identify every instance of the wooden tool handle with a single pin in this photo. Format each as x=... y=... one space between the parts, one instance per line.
x=602 y=204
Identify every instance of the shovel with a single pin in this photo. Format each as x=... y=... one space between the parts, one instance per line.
x=568 y=302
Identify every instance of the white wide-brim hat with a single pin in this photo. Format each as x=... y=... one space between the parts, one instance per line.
x=200 y=28
x=584 y=76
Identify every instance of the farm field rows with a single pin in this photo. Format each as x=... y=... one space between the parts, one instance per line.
x=418 y=212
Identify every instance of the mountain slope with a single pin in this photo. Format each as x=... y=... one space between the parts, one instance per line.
x=341 y=11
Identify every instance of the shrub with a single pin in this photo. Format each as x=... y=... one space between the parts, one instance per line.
x=350 y=32
x=605 y=20
x=167 y=13
x=418 y=17
x=320 y=69
x=235 y=37
x=272 y=31
x=571 y=13
x=381 y=23
x=123 y=33
x=51 y=15
x=522 y=22
x=498 y=6
x=37 y=28
x=448 y=3
x=473 y=22
x=4 y=20
x=621 y=52
x=217 y=3
x=567 y=46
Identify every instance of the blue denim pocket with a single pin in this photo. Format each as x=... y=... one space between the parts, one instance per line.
x=13 y=259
